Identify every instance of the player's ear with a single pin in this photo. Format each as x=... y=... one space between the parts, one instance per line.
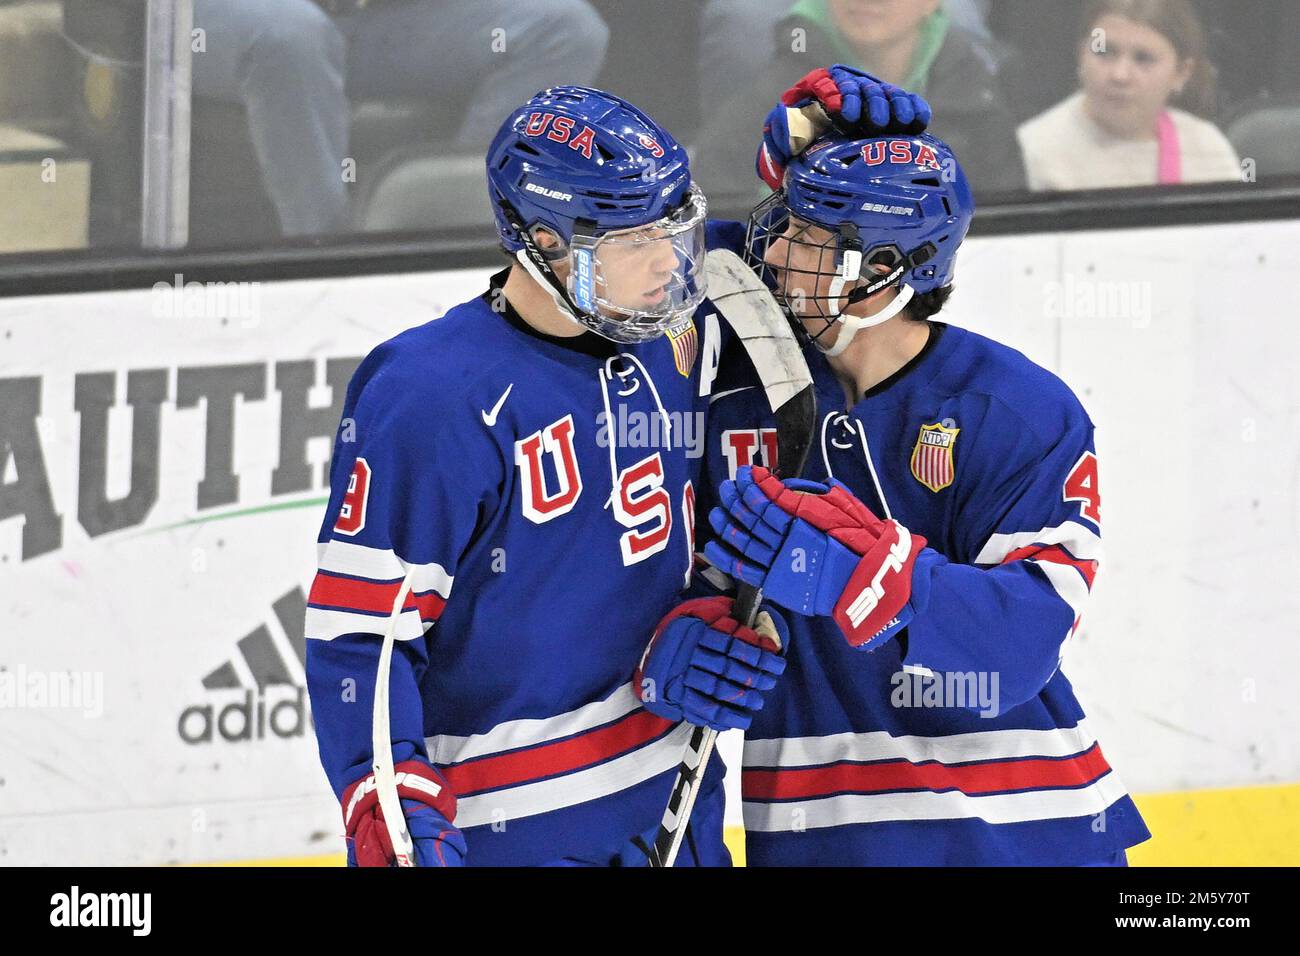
x=551 y=245
x=554 y=250
x=882 y=261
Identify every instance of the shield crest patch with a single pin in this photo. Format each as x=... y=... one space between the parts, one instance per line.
x=932 y=462
x=685 y=345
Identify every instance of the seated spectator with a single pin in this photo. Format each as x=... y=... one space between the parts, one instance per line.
x=293 y=64
x=284 y=62
x=489 y=55
x=913 y=43
x=1136 y=58
x=737 y=45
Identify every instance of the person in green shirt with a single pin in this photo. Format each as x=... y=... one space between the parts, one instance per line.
x=912 y=43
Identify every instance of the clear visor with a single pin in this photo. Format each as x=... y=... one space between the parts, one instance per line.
x=634 y=284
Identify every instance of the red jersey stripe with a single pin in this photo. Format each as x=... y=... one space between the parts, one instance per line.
x=372 y=597
x=561 y=756
x=1030 y=773
x=1057 y=555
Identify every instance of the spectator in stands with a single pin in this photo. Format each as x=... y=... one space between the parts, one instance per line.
x=1136 y=59
x=914 y=43
x=489 y=55
x=737 y=46
x=738 y=37
x=284 y=61
x=293 y=64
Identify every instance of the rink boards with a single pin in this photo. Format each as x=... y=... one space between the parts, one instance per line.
x=162 y=482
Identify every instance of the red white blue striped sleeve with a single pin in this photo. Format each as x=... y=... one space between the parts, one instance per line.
x=403 y=500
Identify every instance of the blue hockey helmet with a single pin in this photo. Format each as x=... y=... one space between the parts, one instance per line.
x=901 y=203
x=613 y=190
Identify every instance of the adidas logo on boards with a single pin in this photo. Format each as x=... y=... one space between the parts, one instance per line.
x=274 y=699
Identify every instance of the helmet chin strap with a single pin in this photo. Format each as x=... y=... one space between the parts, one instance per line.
x=550 y=284
x=850 y=325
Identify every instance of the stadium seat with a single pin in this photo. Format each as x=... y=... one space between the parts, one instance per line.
x=34 y=62
x=418 y=189
x=1268 y=134
x=35 y=93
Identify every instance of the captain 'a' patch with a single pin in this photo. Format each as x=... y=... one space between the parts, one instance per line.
x=685 y=346
x=932 y=462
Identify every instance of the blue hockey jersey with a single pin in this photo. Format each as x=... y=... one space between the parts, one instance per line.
x=544 y=490
x=960 y=741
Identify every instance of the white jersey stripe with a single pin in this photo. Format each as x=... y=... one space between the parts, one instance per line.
x=529 y=732
x=785 y=752
x=846 y=809
x=1081 y=542
x=325 y=625
x=1068 y=582
x=381 y=564
x=544 y=796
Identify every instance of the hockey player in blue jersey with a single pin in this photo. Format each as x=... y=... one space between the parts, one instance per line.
x=529 y=462
x=936 y=555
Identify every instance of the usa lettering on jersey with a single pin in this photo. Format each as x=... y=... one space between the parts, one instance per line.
x=555 y=441
x=640 y=502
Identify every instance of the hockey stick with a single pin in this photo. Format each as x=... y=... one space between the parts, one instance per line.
x=381 y=740
x=742 y=299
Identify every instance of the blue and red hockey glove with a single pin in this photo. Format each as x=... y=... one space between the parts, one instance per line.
x=705 y=667
x=429 y=806
x=817 y=550
x=856 y=103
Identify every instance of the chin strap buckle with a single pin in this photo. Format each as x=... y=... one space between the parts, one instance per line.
x=850 y=264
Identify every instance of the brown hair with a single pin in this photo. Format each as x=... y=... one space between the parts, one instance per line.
x=927 y=304
x=1178 y=22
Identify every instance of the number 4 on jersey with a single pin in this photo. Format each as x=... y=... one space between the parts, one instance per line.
x=1081 y=486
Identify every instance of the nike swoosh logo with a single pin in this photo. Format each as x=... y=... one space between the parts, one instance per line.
x=717 y=395
x=490 y=418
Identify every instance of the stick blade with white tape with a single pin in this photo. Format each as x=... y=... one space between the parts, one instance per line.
x=773 y=348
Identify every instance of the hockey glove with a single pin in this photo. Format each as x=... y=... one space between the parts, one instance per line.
x=817 y=550
x=856 y=103
x=705 y=667
x=429 y=805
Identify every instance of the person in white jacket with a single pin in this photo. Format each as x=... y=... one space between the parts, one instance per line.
x=1137 y=58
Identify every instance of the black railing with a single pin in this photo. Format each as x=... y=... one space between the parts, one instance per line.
x=92 y=270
